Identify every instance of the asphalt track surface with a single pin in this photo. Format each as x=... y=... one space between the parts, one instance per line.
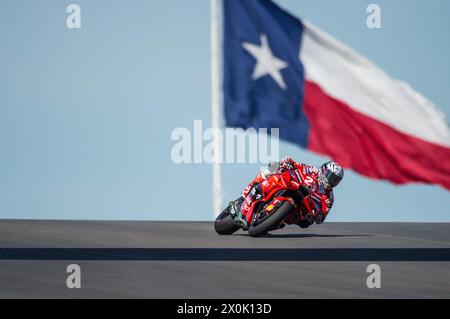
x=189 y=260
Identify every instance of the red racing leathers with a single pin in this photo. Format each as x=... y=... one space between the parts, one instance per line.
x=321 y=199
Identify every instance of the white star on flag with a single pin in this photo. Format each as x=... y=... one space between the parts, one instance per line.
x=266 y=62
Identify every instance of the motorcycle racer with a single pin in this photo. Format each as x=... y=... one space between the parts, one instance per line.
x=320 y=183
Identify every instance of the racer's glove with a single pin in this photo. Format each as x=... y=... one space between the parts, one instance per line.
x=287 y=163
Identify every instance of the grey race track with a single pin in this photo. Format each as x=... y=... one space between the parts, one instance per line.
x=189 y=260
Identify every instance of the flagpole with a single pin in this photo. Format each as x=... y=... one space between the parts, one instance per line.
x=216 y=105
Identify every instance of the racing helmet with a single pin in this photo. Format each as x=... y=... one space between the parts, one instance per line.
x=330 y=174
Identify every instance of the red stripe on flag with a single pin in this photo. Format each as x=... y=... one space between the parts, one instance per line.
x=371 y=147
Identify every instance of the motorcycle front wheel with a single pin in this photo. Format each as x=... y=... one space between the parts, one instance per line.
x=224 y=223
x=263 y=225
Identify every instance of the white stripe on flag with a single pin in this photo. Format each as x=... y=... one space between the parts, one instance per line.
x=351 y=78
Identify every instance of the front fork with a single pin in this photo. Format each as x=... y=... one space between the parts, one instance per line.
x=235 y=210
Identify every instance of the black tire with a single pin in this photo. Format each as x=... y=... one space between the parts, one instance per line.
x=224 y=223
x=270 y=221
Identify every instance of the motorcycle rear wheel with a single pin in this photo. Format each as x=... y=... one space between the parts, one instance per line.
x=224 y=223
x=271 y=221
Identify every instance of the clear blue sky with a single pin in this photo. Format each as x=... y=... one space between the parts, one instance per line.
x=86 y=115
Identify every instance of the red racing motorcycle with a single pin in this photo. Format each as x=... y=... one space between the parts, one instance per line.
x=282 y=197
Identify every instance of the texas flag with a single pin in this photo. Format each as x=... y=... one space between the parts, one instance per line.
x=282 y=72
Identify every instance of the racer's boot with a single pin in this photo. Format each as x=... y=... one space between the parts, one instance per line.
x=236 y=212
